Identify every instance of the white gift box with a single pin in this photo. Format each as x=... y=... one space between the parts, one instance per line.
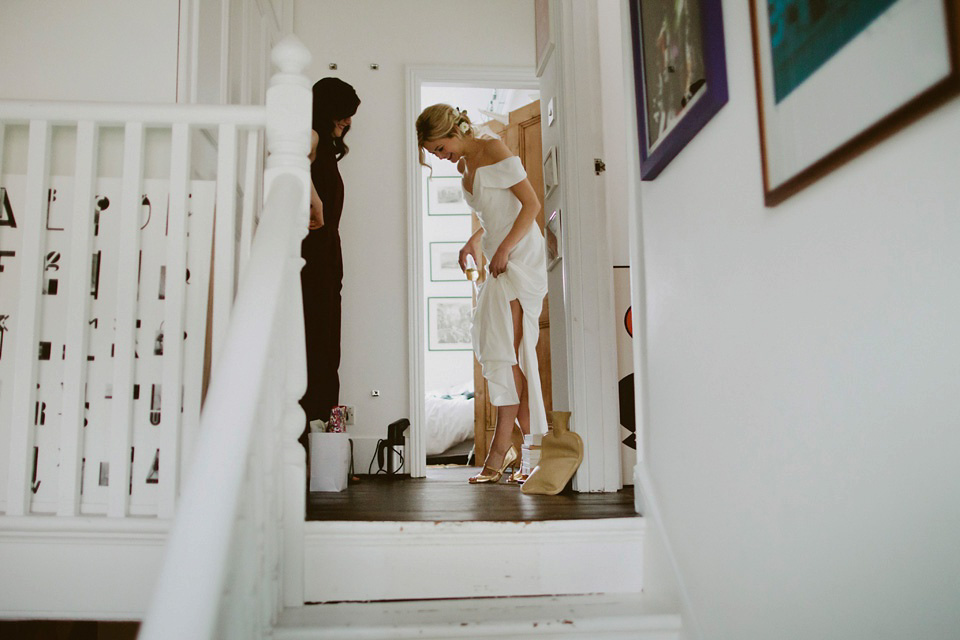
x=329 y=461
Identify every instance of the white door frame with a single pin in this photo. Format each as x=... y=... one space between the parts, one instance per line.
x=588 y=309
x=417 y=76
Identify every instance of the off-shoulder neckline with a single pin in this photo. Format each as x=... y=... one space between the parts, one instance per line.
x=470 y=193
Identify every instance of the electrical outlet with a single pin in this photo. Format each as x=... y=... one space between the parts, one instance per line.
x=349 y=414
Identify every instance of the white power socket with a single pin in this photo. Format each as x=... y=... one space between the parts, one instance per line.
x=350 y=414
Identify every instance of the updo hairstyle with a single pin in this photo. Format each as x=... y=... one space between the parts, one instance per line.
x=441 y=121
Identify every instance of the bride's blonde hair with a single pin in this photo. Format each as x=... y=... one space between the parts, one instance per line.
x=441 y=121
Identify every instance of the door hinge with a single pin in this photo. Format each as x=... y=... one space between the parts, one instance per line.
x=598 y=166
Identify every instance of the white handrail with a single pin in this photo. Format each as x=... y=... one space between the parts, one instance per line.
x=247 y=484
x=118 y=114
x=195 y=569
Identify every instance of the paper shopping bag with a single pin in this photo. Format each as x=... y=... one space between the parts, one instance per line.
x=329 y=461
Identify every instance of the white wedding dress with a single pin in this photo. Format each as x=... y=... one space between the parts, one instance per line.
x=525 y=280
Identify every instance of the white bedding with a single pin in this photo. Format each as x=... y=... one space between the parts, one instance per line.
x=449 y=418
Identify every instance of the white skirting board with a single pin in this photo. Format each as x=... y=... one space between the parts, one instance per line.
x=78 y=568
x=590 y=617
x=360 y=561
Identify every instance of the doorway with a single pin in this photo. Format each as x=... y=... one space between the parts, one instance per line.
x=443 y=391
x=458 y=419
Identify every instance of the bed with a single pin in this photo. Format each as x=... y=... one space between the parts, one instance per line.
x=449 y=421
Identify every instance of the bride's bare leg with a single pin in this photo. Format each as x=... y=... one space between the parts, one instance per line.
x=523 y=412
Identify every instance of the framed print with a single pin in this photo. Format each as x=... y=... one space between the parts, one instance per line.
x=449 y=321
x=835 y=78
x=445 y=262
x=554 y=240
x=680 y=73
x=551 y=177
x=445 y=196
x=543 y=33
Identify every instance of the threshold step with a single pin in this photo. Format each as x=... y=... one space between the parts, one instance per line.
x=363 y=561
x=586 y=617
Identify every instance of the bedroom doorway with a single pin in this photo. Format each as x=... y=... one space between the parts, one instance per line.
x=446 y=400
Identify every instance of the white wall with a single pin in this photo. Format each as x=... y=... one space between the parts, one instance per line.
x=116 y=51
x=374 y=225
x=55 y=50
x=803 y=379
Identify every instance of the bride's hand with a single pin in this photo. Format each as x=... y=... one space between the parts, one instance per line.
x=498 y=263
x=468 y=249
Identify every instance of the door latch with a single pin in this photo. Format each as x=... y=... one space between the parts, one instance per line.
x=598 y=166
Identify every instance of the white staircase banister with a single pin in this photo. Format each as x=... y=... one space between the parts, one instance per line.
x=188 y=598
x=192 y=578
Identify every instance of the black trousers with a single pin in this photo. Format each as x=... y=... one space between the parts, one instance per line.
x=321 y=316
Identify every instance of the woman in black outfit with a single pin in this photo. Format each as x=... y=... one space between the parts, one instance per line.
x=334 y=103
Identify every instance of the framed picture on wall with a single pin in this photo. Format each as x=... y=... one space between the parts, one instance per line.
x=449 y=320
x=680 y=73
x=445 y=262
x=554 y=239
x=445 y=196
x=543 y=33
x=834 y=78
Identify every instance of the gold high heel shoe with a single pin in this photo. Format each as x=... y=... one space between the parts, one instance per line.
x=494 y=475
x=517 y=477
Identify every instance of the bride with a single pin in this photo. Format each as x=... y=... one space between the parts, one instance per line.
x=506 y=320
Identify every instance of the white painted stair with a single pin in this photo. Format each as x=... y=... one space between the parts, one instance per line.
x=364 y=561
x=586 y=617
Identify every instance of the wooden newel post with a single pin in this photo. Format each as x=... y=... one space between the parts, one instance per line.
x=289 y=115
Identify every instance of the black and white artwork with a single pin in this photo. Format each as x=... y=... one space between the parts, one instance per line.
x=445 y=196
x=449 y=322
x=445 y=262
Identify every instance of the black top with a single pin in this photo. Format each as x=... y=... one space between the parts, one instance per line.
x=321 y=247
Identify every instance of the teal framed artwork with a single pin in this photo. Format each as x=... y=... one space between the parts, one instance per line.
x=835 y=77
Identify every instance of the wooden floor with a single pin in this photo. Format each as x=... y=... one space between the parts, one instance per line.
x=444 y=495
x=67 y=629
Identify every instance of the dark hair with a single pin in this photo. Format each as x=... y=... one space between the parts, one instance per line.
x=333 y=99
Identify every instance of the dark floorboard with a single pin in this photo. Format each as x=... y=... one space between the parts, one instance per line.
x=67 y=630
x=445 y=495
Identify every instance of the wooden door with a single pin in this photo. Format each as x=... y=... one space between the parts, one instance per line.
x=522 y=137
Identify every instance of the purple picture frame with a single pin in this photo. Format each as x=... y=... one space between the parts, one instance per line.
x=694 y=118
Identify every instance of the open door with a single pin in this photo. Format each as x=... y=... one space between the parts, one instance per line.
x=522 y=137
